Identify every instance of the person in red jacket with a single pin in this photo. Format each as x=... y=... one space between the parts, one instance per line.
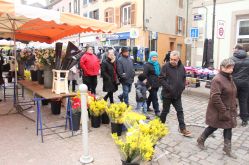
x=90 y=66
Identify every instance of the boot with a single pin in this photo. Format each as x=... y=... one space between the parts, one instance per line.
x=200 y=142
x=227 y=149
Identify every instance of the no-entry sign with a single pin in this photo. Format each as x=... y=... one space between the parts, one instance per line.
x=220 y=32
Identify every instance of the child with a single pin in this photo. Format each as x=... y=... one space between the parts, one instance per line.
x=141 y=95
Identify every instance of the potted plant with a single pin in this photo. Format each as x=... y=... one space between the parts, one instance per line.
x=46 y=57
x=76 y=113
x=96 y=109
x=133 y=118
x=116 y=113
x=138 y=144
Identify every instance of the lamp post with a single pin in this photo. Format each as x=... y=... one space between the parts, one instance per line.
x=212 y=54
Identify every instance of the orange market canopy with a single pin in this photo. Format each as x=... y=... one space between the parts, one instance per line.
x=27 y=23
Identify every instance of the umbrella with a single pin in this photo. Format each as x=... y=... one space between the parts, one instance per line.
x=27 y=23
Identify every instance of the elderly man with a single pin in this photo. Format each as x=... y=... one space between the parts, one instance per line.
x=173 y=79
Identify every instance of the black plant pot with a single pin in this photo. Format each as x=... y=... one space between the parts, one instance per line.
x=40 y=77
x=33 y=75
x=45 y=102
x=117 y=128
x=56 y=107
x=95 y=121
x=125 y=163
x=105 y=119
x=75 y=121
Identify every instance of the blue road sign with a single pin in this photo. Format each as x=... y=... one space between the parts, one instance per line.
x=194 y=33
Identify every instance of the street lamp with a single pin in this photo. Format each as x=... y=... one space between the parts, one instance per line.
x=212 y=54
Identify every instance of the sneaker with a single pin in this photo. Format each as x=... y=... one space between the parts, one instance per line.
x=185 y=132
x=244 y=123
x=121 y=98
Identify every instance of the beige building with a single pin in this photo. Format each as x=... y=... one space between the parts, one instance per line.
x=231 y=27
x=156 y=25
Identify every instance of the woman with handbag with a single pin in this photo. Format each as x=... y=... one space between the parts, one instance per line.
x=221 y=110
x=109 y=75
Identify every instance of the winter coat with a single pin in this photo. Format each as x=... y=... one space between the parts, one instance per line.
x=125 y=70
x=152 y=78
x=90 y=65
x=172 y=80
x=221 y=110
x=109 y=75
x=140 y=91
x=1 y=65
x=241 y=68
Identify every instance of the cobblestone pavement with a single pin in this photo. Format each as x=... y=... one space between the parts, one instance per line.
x=20 y=145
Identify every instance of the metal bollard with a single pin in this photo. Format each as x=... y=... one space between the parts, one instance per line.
x=85 y=158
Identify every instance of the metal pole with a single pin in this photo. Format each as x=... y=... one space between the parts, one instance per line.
x=85 y=158
x=212 y=54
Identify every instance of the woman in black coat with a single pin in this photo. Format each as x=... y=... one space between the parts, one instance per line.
x=109 y=75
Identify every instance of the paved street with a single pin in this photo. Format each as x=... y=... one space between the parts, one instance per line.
x=20 y=145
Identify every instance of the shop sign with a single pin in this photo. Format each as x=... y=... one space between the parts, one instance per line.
x=134 y=33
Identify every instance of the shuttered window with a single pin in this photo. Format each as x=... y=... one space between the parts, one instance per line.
x=126 y=15
x=180 y=25
x=109 y=15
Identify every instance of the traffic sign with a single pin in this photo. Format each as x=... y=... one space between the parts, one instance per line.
x=197 y=17
x=220 y=31
x=194 y=33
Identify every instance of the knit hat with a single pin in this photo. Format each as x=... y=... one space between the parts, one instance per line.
x=152 y=54
x=142 y=77
x=124 y=49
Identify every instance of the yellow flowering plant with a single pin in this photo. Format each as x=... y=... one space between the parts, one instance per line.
x=97 y=107
x=117 y=111
x=135 y=146
x=132 y=118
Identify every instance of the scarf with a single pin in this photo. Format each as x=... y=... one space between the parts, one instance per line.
x=155 y=64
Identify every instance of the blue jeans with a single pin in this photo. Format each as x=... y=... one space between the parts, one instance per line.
x=126 y=91
x=142 y=107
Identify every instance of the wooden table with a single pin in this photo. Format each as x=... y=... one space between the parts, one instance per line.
x=40 y=93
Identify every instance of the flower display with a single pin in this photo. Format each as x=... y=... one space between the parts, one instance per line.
x=24 y=55
x=140 y=139
x=76 y=103
x=45 y=57
x=117 y=112
x=132 y=118
x=97 y=107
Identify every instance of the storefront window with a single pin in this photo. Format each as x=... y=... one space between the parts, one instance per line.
x=243 y=33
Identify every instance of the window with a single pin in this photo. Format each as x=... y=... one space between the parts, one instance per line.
x=84 y=2
x=181 y=4
x=126 y=15
x=96 y=14
x=69 y=6
x=243 y=33
x=180 y=25
x=76 y=6
x=109 y=14
x=85 y=14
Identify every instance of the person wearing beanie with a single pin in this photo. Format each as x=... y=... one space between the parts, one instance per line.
x=141 y=94
x=152 y=72
x=126 y=73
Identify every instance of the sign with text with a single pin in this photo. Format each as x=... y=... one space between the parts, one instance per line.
x=220 y=31
x=194 y=33
x=197 y=17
